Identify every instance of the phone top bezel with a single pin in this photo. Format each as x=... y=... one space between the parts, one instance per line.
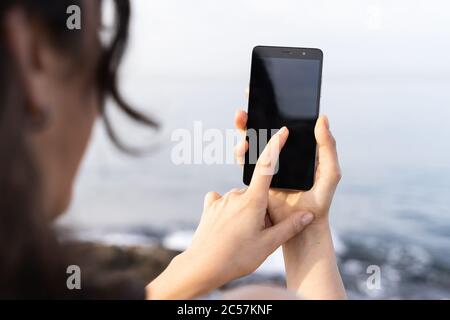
x=288 y=53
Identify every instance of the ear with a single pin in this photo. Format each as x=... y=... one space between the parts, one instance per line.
x=28 y=49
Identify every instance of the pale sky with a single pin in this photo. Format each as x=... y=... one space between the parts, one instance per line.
x=214 y=38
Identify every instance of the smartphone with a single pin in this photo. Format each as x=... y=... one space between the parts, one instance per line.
x=285 y=85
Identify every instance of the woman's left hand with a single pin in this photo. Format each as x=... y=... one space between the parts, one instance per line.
x=282 y=203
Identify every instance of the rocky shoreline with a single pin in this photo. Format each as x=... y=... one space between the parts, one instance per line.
x=409 y=272
x=139 y=264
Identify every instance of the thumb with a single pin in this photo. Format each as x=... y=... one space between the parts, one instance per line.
x=328 y=168
x=287 y=228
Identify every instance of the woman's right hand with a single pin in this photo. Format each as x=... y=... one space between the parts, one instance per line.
x=233 y=238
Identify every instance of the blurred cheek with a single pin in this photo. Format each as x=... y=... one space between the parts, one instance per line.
x=86 y=112
x=71 y=135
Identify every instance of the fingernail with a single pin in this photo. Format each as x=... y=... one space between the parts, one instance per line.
x=282 y=130
x=307 y=218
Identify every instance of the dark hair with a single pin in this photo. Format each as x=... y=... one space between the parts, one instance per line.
x=32 y=264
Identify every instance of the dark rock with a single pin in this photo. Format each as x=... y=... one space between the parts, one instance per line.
x=107 y=264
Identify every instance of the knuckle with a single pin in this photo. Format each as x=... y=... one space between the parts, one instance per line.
x=264 y=162
x=272 y=243
x=232 y=193
x=332 y=141
x=211 y=195
x=297 y=226
x=337 y=175
x=226 y=198
x=229 y=197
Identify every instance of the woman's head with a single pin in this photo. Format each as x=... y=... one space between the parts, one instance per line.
x=58 y=79
x=54 y=88
x=53 y=84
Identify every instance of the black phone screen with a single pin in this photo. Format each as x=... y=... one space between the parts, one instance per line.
x=285 y=91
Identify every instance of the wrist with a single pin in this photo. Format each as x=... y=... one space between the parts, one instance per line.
x=205 y=270
x=310 y=263
x=297 y=250
x=316 y=230
x=314 y=233
x=186 y=277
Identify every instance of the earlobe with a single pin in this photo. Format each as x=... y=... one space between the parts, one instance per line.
x=38 y=119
